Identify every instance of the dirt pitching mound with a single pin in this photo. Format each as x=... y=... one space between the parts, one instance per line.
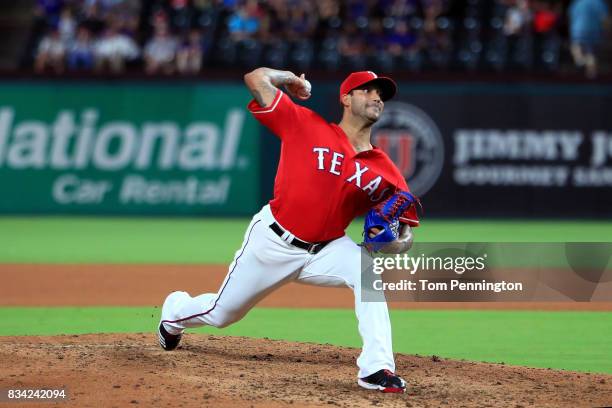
x=131 y=370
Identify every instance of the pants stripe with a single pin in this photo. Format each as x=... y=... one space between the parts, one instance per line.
x=223 y=288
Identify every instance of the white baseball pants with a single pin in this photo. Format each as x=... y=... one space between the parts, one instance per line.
x=265 y=262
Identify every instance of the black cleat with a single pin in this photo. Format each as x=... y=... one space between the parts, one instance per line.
x=383 y=380
x=166 y=340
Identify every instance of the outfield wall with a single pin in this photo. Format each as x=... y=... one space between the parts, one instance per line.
x=472 y=150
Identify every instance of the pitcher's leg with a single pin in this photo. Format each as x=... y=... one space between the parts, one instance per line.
x=339 y=264
x=375 y=330
x=262 y=264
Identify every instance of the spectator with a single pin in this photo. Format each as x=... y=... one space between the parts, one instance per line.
x=190 y=54
x=49 y=11
x=356 y=11
x=518 y=17
x=272 y=21
x=229 y=4
x=402 y=40
x=245 y=22
x=301 y=22
x=91 y=18
x=205 y=4
x=402 y=9
x=106 y=7
x=159 y=19
x=181 y=14
x=432 y=9
x=67 y=25
x=126 y=20
x=586 y=18
x=114 y=49
x=376 y=39
x=329 y=19
x=160 y=52
x=351 y=45
x=545 y=18
x=352 y=29
x=51 y=53
x=436 y=39
x=81 y=51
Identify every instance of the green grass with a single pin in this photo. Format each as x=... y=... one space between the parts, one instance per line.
x=569 y=340
x=579 y=341
x=197 y=240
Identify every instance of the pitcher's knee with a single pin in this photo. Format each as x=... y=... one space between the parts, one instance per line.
x=224 y=323
x=226 y=320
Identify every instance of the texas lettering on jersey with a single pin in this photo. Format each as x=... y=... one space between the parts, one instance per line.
x=370 y=187
x=322 y=183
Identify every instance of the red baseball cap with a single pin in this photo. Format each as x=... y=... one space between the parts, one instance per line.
x=357 y=79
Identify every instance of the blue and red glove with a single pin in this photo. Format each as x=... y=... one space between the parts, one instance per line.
x=385 y=217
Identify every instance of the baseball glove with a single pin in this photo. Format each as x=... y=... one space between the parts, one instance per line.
x=382 y=221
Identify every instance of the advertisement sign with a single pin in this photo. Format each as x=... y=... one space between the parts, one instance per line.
x=127 y=149
x=516 y=150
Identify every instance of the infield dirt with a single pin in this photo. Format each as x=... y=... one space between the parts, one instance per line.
x=131 y=370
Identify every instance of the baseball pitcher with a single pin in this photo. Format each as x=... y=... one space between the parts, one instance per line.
x=328 y=174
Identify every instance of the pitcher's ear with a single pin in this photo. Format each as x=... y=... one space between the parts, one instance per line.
x=345 y=100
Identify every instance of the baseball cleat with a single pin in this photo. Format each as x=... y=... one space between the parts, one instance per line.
x=168 y=341
x=383 y=380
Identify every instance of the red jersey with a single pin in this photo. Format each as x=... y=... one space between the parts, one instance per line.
x=322 y=183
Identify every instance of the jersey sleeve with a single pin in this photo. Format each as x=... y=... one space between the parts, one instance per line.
x=281 y=117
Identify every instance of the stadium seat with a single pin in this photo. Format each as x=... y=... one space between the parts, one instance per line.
x=301 y=55
x=275 y=54
x=521 y=52
x=444 y=23
x=333 y=24
x=249 y=53
x=381 y=62
x=181 y=19
x=549 y=51
x=388 y=23
x=354 y=63
x=469 y=54
x=474 y=11
x=496 y=55
x=328 y=55
x=467 y=35
x=416 y=24
x=471 y=25
x=225 y=53
x=499 y=10
x=439 y=58
x=496 y=24
x=410 y=61
x=208 y=19
x=361 y=22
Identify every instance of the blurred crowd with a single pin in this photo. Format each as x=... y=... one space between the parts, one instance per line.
x=187 y=36
x=115 y=35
